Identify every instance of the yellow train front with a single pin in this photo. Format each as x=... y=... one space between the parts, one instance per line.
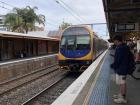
x=79 y=46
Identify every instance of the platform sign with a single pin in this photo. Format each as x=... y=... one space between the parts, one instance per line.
x=127 y=27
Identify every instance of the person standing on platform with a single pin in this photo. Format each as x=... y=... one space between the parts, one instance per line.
x=120 y=66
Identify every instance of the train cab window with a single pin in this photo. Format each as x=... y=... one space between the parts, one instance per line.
x=63 y=43
x=83 y=42
x=71 y=42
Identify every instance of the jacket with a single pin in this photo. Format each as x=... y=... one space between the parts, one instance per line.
x=121 y=59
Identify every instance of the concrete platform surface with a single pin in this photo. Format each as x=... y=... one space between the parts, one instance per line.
x=105 y=88
x=133 y=89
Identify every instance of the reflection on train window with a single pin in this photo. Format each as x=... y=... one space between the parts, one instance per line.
x=71 y=42
x=83 y=42
x=63 y=43
x=75 y=42
x=83 y=39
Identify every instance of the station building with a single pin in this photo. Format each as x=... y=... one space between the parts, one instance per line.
x=18 y=45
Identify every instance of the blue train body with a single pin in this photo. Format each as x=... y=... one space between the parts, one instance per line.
x=79 y=46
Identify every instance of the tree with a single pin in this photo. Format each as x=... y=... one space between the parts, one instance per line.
x=65 y=25
x=12 y=21
x=24 y=19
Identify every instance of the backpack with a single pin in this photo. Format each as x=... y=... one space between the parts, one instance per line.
x=132 y=64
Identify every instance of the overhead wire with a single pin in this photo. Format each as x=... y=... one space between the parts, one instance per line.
x=50 y=23
x=76 y=13
x=7 y=4
x=54 y=21
x=68 y=10
x=5 y=8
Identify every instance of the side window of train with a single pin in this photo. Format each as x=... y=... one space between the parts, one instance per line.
x=94 y=46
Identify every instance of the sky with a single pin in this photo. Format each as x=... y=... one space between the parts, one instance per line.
x=83 y=12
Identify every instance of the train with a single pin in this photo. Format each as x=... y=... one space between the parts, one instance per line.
x=79 y=47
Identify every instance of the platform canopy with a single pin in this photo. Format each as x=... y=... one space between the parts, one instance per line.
x=123 y=18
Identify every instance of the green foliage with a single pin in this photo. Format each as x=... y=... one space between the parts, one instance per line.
x=24 y=19
x=65 y=25
x=12 y=21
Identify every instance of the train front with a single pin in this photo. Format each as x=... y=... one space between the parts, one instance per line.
x=75 y=52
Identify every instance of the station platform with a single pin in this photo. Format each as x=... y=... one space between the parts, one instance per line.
x=104 y=88
x=95 y=85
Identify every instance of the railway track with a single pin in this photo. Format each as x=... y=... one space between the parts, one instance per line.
x=23 y=93
x=50 y=93
x=20 y=81
x=20 y=77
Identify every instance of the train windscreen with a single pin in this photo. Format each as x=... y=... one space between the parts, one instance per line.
x=82 y=42
x=76 y=42
x=75 y=38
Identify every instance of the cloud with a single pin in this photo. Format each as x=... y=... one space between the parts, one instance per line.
x=90 y=11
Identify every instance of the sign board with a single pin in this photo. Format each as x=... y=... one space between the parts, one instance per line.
x=127 y=27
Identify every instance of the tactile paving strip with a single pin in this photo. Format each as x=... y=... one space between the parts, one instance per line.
x=100 y=94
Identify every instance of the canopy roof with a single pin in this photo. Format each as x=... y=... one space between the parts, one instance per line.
x=123 y=18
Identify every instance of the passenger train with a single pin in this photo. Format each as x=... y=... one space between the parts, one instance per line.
x=79 y=47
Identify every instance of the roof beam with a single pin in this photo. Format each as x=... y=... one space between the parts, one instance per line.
x=124 y=9
x=118 y=3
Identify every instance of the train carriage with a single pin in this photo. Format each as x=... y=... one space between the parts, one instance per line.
x=79 y=46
